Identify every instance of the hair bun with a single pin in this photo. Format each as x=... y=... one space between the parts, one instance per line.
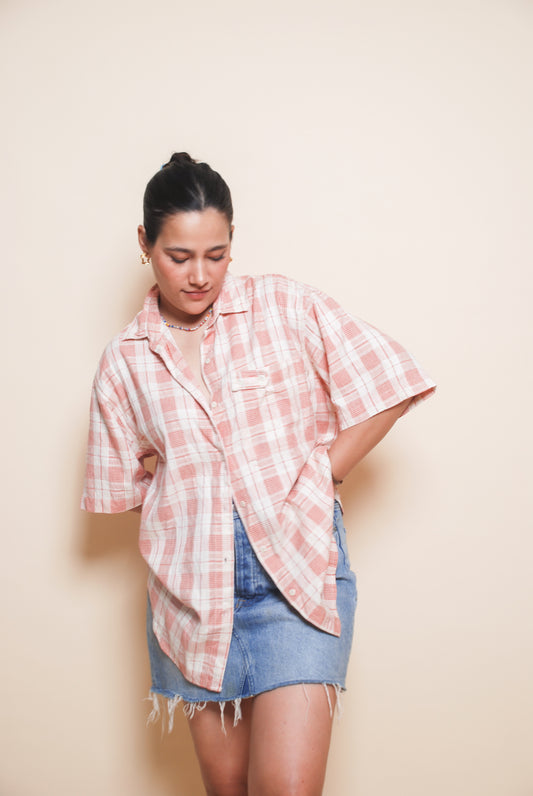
x=181 y=159
x=183 y=185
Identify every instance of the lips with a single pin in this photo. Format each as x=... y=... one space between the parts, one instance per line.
x=196 y=295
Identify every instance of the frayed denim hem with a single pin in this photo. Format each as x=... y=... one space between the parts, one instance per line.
x=191 y=708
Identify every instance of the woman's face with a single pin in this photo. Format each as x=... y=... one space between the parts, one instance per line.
x=190 y=258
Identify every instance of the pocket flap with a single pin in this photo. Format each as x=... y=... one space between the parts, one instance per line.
x=249 y=380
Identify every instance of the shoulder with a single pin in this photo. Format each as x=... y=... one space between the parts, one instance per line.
x=279 y=288
x=120 y=352
x=280 y=297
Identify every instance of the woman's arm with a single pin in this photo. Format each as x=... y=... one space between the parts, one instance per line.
x=355 y=442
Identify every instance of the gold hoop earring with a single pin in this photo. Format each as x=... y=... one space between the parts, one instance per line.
x=145 y=259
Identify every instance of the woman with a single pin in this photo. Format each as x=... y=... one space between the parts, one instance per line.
x=257 y=395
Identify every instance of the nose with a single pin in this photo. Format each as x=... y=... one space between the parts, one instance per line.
x=198 y=273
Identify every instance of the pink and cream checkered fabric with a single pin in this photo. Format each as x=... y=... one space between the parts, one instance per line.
x=287 y=368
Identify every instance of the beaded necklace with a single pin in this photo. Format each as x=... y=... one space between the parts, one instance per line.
x=189 y=328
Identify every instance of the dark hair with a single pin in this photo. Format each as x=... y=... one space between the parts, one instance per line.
x=181 y=186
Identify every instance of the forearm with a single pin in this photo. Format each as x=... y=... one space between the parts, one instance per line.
x=355 y=442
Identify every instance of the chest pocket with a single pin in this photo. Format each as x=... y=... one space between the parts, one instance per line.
x=249 y=380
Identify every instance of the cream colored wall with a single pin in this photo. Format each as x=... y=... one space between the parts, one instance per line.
x=381 y=151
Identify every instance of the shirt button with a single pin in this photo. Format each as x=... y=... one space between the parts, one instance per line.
x=292 y=592
x=243 y=504
x=207 y=360
x=213 y=404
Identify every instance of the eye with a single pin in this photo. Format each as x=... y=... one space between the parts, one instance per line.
x=216 y=259
x=175 y=260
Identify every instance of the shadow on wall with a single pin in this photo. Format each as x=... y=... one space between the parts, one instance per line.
x=360 y=494
x=169 y=759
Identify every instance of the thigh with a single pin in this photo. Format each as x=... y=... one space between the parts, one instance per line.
x=222 y=754
x=289 y=741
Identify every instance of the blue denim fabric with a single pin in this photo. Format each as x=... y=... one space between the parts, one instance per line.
x=272 y=645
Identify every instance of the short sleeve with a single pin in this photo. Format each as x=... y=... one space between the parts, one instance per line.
x=364 y=370
x=115 y=479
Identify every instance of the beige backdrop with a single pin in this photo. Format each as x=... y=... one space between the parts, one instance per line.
x=381 y=151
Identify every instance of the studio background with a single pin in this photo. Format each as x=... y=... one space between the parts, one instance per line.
x=382 y=152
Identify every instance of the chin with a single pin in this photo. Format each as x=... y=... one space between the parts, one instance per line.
x=196 y=308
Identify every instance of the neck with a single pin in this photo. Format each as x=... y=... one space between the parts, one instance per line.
x=199 y=323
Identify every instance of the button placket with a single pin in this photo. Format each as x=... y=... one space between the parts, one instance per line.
x=206 y=360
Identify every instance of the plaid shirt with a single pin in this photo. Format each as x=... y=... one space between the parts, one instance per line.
x=287 y=369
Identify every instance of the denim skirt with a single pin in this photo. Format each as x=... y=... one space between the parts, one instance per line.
x=272 y=645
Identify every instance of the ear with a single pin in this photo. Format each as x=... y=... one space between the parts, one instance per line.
x=231 y=229
x=143 y=241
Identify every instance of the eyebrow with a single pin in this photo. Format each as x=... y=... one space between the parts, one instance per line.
x=190 y=251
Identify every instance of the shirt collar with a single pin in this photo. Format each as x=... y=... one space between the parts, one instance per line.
x=233 y=297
